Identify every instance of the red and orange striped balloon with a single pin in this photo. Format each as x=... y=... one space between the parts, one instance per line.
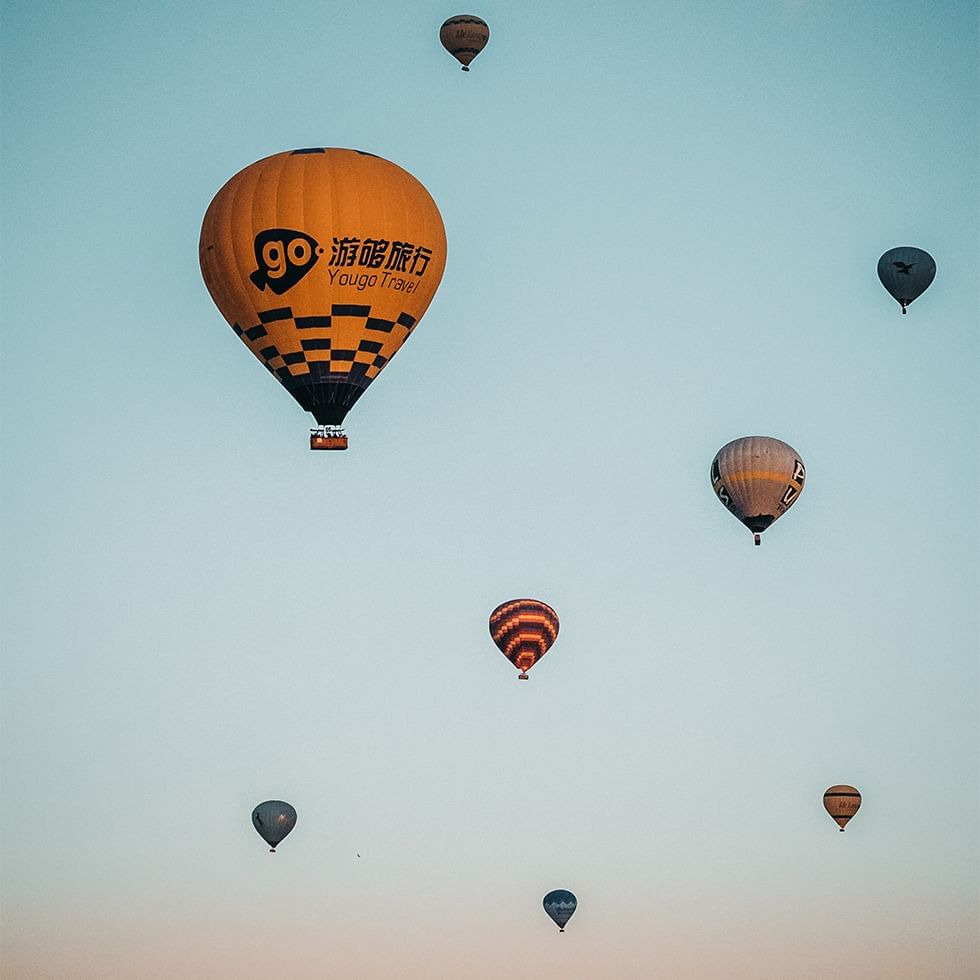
x=524 y=630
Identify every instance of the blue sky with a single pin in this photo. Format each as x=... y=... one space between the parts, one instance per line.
x=663 y=223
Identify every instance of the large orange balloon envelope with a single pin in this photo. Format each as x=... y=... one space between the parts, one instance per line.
x=464 y=37
x=842 y=802
x=758 y=479
x=323 y=261
x=524 y=630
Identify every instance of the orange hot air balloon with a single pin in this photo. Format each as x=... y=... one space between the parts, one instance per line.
x=323 y=261
x=464 y=37
x=524 y=630
x=758 y=479
x=842 y=802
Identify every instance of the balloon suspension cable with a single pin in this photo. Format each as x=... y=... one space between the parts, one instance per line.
x=758 y=539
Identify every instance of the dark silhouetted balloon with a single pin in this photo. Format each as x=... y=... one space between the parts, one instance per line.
x=523 y=630
x=842 y=802
x=560 y=905
x=464 y=37
x=273 y=820
x=323 y=261
x=758 y=479
x=906 y=273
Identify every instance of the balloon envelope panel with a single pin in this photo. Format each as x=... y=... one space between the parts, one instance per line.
x=273 y=820
x=758 y=479
x=323 y=261
x=524 y=630
x=906 y=273
x=560 y=905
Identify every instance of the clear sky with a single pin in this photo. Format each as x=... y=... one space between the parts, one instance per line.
x=663 y=225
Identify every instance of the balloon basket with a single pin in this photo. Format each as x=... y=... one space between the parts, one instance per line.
x=327 y=439
x=758 y=539
x=522 y=676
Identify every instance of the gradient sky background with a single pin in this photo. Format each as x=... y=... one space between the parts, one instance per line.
x=663 y=225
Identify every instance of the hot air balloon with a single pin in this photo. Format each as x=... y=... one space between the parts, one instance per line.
x=842 y=802
x=560 y=905
x=323 y=261
x=524 y=630
x=906 y=273
x=464 y=37
x=273 y=820
x=758 y=479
